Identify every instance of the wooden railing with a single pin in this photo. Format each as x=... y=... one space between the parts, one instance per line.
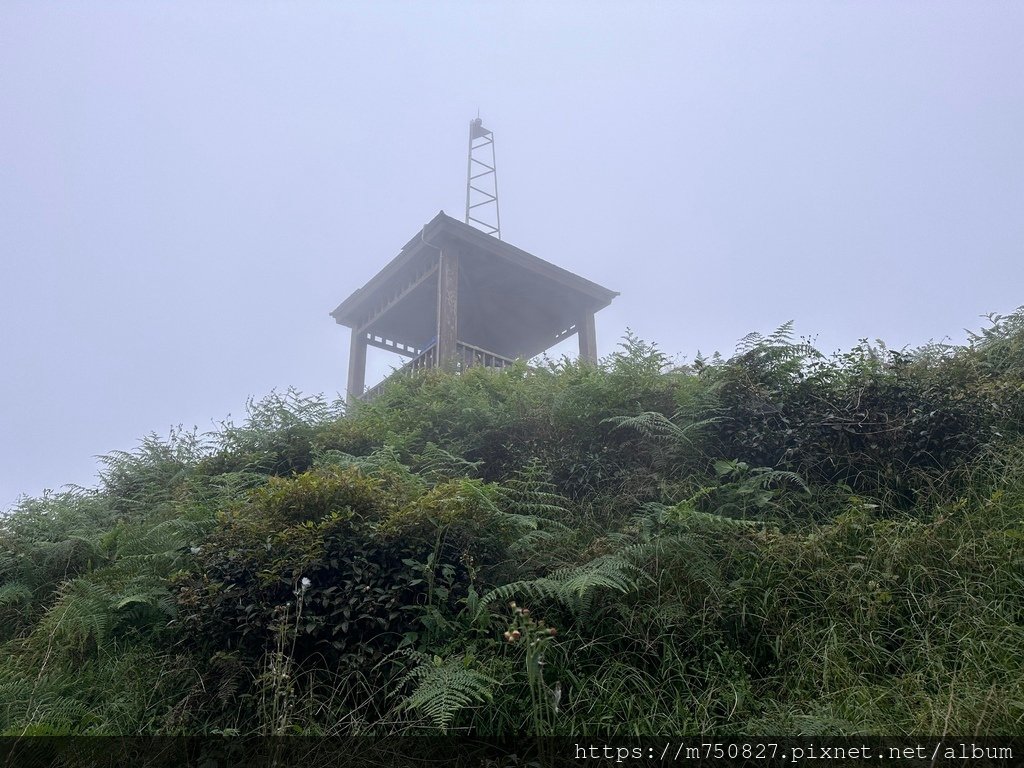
x=466 y=356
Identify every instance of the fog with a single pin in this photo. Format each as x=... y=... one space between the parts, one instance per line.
x=188 y=189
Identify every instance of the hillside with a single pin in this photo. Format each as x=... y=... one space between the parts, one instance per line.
x=777 y=542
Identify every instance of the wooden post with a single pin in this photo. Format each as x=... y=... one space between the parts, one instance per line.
x=588 y=338
x=447 y=307
x=356 y=364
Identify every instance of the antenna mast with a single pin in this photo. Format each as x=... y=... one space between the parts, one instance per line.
x=482 y=181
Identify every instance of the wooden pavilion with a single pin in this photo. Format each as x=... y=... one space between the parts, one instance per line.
x=456 y=297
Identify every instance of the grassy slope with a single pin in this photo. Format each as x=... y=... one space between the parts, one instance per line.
x=777 y=542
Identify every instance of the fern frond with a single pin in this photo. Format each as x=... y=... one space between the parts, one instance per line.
x=749 y=343
x=770 y=477
x=575 y=588
x=13 y=593
x=782 y=335
x=658 y=427
x=83 y=612
x=161 y=540
x=531 y=492
x=609 y=572
x=527 y=524
x=436 y=465
x=534 y=539
x=684 y=514
x=385 y=457
x=649 y=424
x=445 y=687
x=43 y=709
x=159 y=599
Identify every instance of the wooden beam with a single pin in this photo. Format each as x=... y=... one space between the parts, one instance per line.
x=587 y=334
x=565 y=333
x=411 y=286
x=390 y=345
x=356 y=366
x=447 y=307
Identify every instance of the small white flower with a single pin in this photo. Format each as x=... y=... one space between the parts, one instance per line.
x=196 y=550
x=306 y=583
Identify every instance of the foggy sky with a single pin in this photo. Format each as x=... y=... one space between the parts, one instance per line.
x=188 y=188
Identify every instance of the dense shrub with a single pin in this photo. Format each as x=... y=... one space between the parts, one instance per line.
x=881 y=422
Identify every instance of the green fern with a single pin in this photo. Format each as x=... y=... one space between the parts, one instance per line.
x=16 y=603
x=32 y=706
x=436 y=465
x=685 y=516
x=445 y=687
x=517 y=513
x=89 y=609
x=758 y=477
x=1001 y=346
x=658 y=427
x=83 y=613
x=146 y=593
x=575 y=588
x=531 y=492
x=385 y=457
x=780 y=337
x=14 y=593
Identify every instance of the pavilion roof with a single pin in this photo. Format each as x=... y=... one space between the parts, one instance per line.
x=510 y=301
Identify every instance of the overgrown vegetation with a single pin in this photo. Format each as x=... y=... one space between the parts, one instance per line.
x=778 y=542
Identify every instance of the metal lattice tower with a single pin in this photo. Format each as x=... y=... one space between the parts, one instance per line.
x=482 y=181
